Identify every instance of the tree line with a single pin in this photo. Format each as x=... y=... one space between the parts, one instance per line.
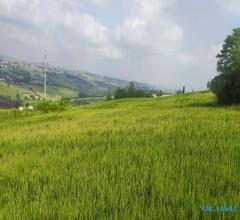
x=131 y=92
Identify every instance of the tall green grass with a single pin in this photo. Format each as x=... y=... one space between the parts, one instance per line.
x=129 y=159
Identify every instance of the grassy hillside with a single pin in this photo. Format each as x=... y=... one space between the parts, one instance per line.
x=12 y=90
x=61 y=82
x=53 y=92
x=128 y=159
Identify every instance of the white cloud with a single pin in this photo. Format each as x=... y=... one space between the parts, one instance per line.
x=73 y=35
x=100 y=2
x=149 y=26
x=84 y=28
x=6 y=4
x=110 y=51
x=232 y=6
x=199 y=56
x=146 y=27
x=39 y=22
x=132 y=31
x=173 y=35
x=150 y=8
x=87 y=27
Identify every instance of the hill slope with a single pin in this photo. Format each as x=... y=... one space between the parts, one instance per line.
x=128 y=159
x=11 y=90
x=61 y=82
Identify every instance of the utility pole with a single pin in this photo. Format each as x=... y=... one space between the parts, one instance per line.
x=45 y=77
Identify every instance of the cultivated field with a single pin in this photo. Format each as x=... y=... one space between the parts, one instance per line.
x=128 y=159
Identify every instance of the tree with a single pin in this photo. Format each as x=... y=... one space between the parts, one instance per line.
x=209 y=85
x=159 y=93
x=18 y=97
x=179 y=91
x=183 y=90
x=120 y=93
x=109 y=96
x=130 y=92
x=226 y=86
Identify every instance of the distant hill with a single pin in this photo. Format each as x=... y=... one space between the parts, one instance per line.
x=61 y=82
x=9 y=59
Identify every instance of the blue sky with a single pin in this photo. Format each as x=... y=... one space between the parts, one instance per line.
x=169 y=43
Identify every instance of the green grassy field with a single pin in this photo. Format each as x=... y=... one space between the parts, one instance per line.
x=54 y=93
x=12 y=90
x=158 y=158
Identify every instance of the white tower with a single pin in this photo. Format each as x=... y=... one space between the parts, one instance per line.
x=45 y=76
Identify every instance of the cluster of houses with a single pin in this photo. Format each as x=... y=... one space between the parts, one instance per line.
x=3 y=64
x=10 y=104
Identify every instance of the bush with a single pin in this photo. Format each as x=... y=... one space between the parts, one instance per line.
x=49 y=106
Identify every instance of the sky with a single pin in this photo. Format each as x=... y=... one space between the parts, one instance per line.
x=167 y=43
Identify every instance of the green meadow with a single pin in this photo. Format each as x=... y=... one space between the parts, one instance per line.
x=12 y=90
x=53 y=92
x=162 y=158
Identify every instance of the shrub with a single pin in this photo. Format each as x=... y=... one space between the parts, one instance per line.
x=48 y=106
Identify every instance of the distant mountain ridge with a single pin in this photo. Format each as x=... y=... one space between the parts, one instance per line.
x=60 y=81
x=7 y=58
